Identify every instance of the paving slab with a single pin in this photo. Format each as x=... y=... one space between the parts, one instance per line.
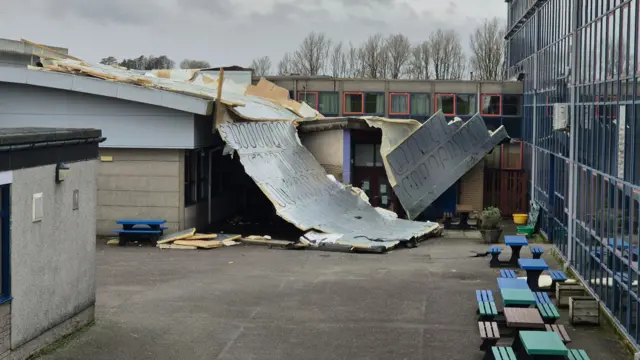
x=251 y=302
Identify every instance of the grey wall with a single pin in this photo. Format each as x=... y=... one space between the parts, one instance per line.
x=327 y=147
x=125 y=124
x=52 y=261
x=140 y=183
x=15 y=59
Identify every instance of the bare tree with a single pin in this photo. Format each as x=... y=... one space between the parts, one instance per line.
x=261 y=66
x=285 y=66
x=311 y=57
x=373 y=51
x=194 y=64
x=487 y=49
x=447 y=55
x=110 y=60
x=355 y=62
x=399 y=52
x=415 y=66
x=338 y=61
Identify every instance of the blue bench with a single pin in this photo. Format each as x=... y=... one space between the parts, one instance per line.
x=557 y=276
x=509 y=274
x=542 y=298
x=495 y=251
x=536 y=251
x=486 y=304
x=133 y=229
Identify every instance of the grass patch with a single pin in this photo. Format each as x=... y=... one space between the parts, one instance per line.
x=60 y=343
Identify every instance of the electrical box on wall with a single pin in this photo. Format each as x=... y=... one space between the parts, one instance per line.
x=561 y=117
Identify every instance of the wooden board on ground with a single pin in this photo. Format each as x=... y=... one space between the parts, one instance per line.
x=263 y=241
x=174 y=246
x=202 y=237
x=201 y=244
x=177 y=236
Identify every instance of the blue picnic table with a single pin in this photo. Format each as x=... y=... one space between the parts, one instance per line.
x=516 y=242
x=133 y=229
x=507 y=283
x=534 y=268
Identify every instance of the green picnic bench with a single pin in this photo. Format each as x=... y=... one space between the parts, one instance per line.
x=539 y=344
x=486 y=304
x=548 y=312
x=503 y=353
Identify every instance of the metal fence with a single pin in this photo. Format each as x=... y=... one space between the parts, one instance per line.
x=587 y=180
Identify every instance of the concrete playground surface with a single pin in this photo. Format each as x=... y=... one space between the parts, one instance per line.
x=252 y=302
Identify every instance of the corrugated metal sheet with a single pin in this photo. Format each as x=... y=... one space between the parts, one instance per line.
x=301 y=192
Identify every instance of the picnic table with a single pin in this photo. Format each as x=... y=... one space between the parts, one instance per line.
x=540 y=345
x=132 y=229
x=516 y=242
x=509 y=283
x=523 y=318
x=517 y=297
x=534 y=268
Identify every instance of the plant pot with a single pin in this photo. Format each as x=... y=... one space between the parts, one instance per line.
x=491 y=236
x=520 y=219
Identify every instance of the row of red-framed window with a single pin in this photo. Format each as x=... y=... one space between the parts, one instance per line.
x=408 y=96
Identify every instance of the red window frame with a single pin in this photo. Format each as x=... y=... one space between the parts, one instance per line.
x=408 y=103
x=435 y=105
x=482 y=105
x=502 y=162
x=613 y=99
x=309 y=92
x=344 y=102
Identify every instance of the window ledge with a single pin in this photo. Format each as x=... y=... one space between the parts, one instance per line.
x=5 y=299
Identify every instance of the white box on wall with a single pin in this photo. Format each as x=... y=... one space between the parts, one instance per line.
x=37 y=207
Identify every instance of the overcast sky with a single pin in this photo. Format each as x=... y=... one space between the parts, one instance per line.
x=227 y=32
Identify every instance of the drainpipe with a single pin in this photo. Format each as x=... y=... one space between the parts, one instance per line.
x=534 y=155
x=573 y=134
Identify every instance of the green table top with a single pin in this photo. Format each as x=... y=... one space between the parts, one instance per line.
x=543 y=343
x=517 y=296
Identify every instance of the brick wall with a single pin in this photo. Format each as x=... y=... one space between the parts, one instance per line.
x=472 y=187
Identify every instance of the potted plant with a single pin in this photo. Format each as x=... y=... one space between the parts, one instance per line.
x=489 y=225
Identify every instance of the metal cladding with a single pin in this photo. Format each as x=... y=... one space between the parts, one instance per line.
x=301 y=192
x=431 y=159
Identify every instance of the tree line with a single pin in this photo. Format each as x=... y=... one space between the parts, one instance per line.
x=440 y=56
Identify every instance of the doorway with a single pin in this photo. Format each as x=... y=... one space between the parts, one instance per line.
x=370 y=176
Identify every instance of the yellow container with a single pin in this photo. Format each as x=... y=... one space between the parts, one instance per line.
x=520 y=219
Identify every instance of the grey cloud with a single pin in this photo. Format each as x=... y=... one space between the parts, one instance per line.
x=108 y=11
x=214 y=7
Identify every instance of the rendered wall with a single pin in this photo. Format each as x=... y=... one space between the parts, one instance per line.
x=327 y=148
x=52 y=260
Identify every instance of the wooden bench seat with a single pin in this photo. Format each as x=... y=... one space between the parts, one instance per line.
x=509 y=274
x=486 y=304
x=542 y=298
x=489 y=334
x=577 y=354
x=560 y=330
x=503 y=353
x=536 y=251
x=548 y=312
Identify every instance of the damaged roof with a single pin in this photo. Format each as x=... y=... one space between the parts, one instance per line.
x=189 y=91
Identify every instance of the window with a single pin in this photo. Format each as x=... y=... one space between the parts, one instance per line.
x=353 y=103
x=328 y=103
x=5 y=232
x=399 y=103
x=420 y=104
x=190 y=176
x=374 y=103
x=367 y=155
x=491 y=104
x=311 y=98
x=465 y=104
x=512 y=105
x=446 y=103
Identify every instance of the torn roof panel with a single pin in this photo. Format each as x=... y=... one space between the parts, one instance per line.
x=300 y=190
